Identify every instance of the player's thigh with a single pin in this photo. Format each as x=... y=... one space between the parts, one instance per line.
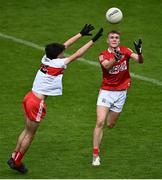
x=34 y=108
x=102 y=112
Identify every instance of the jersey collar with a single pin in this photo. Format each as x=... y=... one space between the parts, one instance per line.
x=110 y=50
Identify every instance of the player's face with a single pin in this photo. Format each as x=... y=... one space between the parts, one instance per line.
x=113 y=40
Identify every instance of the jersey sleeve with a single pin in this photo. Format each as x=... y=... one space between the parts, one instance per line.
x=102 y=58
x=128 y=52
x=59 y=63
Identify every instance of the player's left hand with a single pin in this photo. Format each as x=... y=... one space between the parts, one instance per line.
x=98 y=35
x=118 y=55
x=138 y=46
x=86 y=29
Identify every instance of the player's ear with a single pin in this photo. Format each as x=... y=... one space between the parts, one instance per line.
x=107 y=40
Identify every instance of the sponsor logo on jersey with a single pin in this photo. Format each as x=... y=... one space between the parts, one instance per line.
x=116 y=69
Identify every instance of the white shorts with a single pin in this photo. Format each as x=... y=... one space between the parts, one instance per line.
x=114 y=100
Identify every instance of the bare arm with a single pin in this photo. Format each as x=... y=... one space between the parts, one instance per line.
x=108 y=64
x=138 y=58
x=84 y=32
x=84 y=48
x=72 y=40
x=79 y=52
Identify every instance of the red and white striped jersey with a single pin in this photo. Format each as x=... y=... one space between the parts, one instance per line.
x=48 y=80
x=118 y=77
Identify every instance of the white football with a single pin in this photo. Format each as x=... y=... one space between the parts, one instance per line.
x=114 y=15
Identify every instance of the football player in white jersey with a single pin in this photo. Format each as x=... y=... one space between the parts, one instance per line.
x=48 y=82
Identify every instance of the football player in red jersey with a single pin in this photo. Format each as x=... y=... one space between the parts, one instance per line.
x=116 y=80
x=48 y=82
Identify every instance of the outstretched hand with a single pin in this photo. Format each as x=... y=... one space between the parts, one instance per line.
x=86 y=29
x=98 y=35
x=138 y=46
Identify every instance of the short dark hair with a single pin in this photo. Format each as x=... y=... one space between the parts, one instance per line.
x=114 y=32
x=53 y=50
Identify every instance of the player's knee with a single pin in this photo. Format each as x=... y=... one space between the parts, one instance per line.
x=100 y=124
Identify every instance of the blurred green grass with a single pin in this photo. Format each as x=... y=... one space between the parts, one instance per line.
x=63 y=145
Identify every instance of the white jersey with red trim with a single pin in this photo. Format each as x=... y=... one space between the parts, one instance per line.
x=48 y=80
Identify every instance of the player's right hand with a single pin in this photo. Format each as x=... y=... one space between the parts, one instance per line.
x=86 y=29
x=118 y=55
x=98 y=35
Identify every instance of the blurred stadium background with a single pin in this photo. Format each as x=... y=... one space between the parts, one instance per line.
x=63 y=145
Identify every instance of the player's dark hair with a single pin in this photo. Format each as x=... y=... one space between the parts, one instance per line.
x=114 y=32
x=53 y=50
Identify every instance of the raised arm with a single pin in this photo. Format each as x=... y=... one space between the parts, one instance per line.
x=84 y=48
x=138 y=57
x=84 y=32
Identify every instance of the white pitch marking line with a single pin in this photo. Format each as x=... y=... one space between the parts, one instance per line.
x=36 y=46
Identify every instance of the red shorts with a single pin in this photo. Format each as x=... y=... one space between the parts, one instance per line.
x=35 y=108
